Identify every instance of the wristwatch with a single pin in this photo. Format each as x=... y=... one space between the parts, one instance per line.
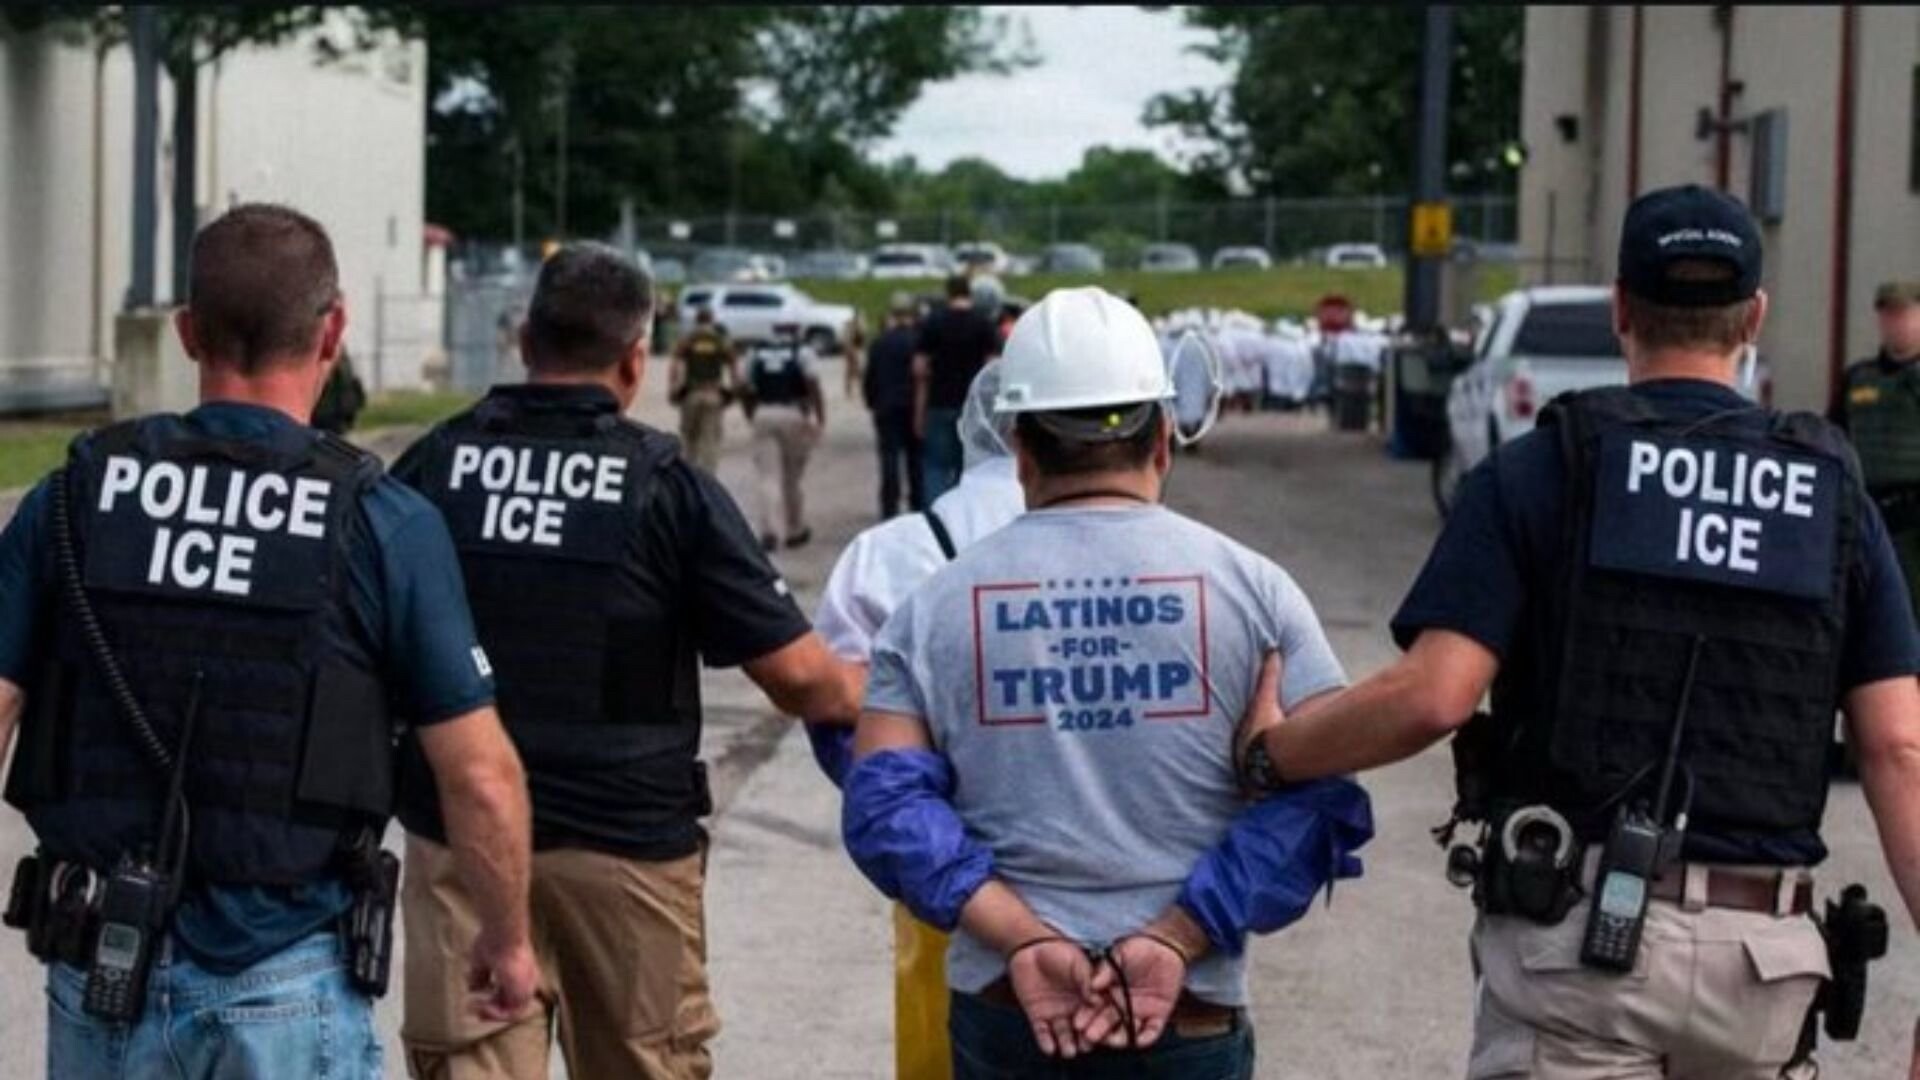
x=1257 y=770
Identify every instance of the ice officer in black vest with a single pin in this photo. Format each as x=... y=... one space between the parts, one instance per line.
x=210 y=624
x=1669 y=591
x=604 y=569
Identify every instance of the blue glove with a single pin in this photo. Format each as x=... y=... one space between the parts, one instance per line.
x=902 y=832
x=832 y=750
x=1276 y=856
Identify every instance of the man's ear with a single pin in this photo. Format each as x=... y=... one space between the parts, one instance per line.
x=1163 y=443
x=333 y=331
x=1620 y=327
x=1757 y=317
x=633 y=365
x=189 y=335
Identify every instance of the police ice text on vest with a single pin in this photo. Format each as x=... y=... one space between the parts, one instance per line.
x=1736 y=480
x=529 y=490
x=203 y=550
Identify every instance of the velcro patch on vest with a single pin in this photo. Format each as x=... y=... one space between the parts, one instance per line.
x=1864 y=395
x=1718 y=512
x=535 y=497
x=210 y=531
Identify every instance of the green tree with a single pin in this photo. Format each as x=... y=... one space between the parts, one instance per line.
x=1324 y=100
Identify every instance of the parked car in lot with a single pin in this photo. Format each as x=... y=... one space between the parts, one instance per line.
x=749 y=313
x=831 y=265
x=1242 y=258
x=1356 y=257
x=1533 y=346
x=898 y=261
x=981 y=257
x=1169 y=258
x=1072 y=259
x=726 y=264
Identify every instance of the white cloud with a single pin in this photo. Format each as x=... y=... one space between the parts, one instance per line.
x=1098 y=68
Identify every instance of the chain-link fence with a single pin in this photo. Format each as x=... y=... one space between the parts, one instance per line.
x=1288 y=229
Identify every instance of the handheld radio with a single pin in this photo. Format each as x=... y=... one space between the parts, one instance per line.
x=139 y=900
x=1639 y=845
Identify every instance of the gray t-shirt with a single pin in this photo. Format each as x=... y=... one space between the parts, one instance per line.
x=1084 y=670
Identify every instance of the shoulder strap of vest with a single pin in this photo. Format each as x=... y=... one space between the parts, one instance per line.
x=940 y=534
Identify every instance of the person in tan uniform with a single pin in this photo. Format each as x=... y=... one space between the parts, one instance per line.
x=704 y=379
x=788 y=412
x=1669 y=591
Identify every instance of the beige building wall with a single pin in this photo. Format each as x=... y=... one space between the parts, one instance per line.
x=1788 y=59
x=344 y=142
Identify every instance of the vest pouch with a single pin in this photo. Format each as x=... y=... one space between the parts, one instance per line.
x=347 y=752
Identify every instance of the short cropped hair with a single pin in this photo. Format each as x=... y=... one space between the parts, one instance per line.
x=959 y=285
x=590 y=305
x=1055 y=455
x=259 y=285
x=1720 y=328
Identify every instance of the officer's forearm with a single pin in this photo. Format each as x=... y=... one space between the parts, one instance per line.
x=1884 y=723
x=12 y=701
x=805 y=679
x=1418 y=701
x=483 y=800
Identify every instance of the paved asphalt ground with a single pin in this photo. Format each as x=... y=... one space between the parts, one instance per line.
x=1375 y=985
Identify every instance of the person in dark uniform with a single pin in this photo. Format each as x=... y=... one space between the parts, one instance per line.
x=1660 y=561
x=1878 y=404
x=955 y=342
x=604 y=569
x=203 y=622
x=887 y=386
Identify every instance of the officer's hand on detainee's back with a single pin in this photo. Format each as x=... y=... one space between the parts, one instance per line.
x=502 y=979
x=1263 y=715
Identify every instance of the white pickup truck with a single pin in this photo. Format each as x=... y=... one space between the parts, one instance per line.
x=749 y=313
x=1538 y=344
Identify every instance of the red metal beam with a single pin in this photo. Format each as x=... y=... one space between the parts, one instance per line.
x=1635 y=48
x=1842 y=263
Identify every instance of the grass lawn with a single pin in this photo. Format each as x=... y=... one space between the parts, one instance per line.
x=406 y=408
x=1284 y=290
x=30 y=450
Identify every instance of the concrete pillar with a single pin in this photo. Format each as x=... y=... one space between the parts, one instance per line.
x=151 y=372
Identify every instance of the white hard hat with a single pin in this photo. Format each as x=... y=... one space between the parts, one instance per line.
x=1081 y=349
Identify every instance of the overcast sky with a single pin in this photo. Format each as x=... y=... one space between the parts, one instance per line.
x=1098 y=68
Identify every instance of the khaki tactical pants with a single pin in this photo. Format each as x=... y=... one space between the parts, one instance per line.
x=622 y=952
x=701 y=427
x=1717 y=994
x=782 y=442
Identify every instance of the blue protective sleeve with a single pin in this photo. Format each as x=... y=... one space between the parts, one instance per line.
x=1276 y=856
x=903 y=834
x=832 y=750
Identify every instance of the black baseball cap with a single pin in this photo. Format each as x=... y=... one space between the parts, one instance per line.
x=1689 y=224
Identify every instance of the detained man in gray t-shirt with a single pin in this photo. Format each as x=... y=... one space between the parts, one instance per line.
x=1078 y=677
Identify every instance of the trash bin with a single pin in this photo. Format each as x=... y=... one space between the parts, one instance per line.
x=1423 y=374
x=1354 y=387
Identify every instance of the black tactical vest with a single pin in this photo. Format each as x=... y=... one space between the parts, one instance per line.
x=546 y=495
x=706 y=358
x=1678 y=532
x=778 y=378
x=226 y=560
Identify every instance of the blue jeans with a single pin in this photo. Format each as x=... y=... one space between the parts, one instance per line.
x=994 y=1042
x=940 y=454
x=291 y=1015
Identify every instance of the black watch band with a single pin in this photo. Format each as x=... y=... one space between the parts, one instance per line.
x=1257 y=770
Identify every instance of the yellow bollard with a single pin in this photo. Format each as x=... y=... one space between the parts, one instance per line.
x=921 y=1047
